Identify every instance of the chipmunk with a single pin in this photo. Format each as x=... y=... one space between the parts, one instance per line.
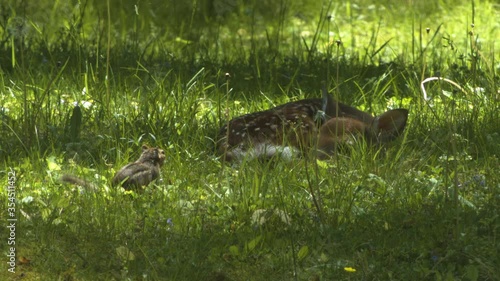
x=143 y=171
x=133 y=175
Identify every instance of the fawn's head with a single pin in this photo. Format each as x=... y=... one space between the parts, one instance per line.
x=376 y=130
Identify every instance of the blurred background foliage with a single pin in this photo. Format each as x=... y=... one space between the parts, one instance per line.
x=202 y=29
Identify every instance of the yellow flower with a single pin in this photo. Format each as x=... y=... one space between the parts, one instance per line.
x=349 y=269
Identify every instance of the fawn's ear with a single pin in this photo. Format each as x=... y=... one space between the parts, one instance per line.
x=389 y=125
x=329 y=106
x=145 y=147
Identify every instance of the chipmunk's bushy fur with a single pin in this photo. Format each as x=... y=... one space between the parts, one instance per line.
x=143 y=171
x=133 y=175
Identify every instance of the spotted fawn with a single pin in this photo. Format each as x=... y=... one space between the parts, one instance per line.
x=298 y=127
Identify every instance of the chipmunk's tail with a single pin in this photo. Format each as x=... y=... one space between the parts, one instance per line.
x=78 y=181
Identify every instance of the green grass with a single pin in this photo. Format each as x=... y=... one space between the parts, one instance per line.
x=425 y=207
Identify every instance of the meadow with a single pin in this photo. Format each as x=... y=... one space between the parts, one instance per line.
x=85 y=83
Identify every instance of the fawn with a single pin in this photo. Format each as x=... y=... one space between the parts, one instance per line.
x=297 y=127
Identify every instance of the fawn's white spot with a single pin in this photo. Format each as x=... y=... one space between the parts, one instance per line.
x=265 y=151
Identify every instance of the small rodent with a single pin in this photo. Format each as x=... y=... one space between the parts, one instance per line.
x=141 y=172
x=133 y=175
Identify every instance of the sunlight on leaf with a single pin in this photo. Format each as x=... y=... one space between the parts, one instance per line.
x=234 y=250
x=125 y=254
x=253 y=243
x=27 y=199
x=322 y=164
x=349 y=269
x=51 y=163
x=323 y=257
x=183 y=41
x=303 y=252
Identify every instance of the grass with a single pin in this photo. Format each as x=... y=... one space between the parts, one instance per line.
x=422 y=208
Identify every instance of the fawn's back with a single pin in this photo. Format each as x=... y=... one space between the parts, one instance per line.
x=299 y=126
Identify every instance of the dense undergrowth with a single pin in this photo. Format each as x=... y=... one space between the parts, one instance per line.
x=84 y=84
